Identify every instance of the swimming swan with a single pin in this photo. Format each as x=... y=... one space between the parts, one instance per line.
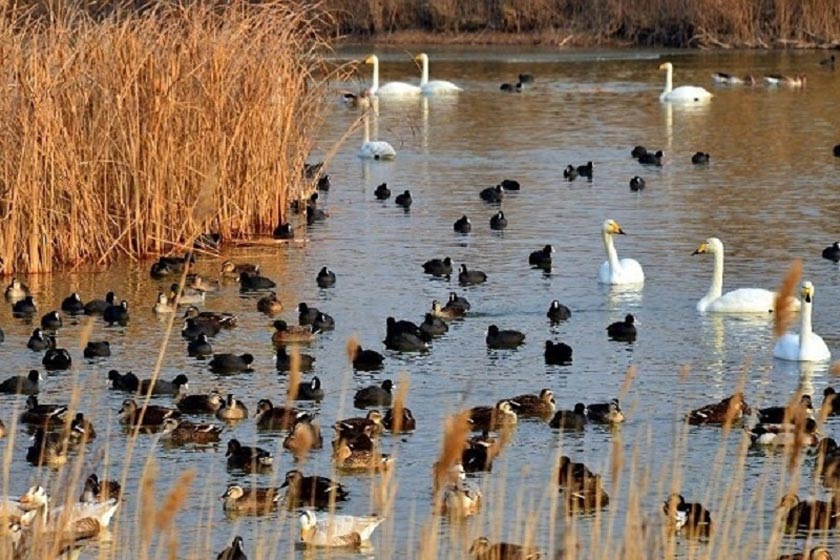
x=391 y=88
x=683 y=94
x=614 y=271
x=375 y=149
x=742 y=300
x=435 y=86
x=807 y=346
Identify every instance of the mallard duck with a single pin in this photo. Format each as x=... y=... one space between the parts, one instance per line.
x=235 y=551
x=481 y=549
x=123 y=381
x=269 y=304
x=232 y=409
x=816 y=553
x=406 y=423
x=492 y=417
x=269 y=417
x=809 y=515
x=303 y=436
x=249 y=459
x=47 y=449
x=374 y=395
x=541 y=405
x=96 y=490
x=570 y=419
x=353 y=460
x=215 y=319
x=163 y=387
x=332 y=530
x=180 y=432
x=16 y=291
x=312 y=491
x=22 y=385
x=238 y=499
x=43 y=414
x=294 y=334
x=605 y=413
x=447 y=313
x=149 y=416
x=207 y=403
x=690 y=518
x=231 y=270
x=730 y=409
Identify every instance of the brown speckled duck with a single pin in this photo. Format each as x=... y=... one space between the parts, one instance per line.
x=731 y=408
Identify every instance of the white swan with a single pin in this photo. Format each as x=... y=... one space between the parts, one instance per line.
x=742 y=300
x=336 y=530
x=391 y=88
x=807 y=346
x=615 y=271
x=375 y=149
x=435 y=86
x=683 y=94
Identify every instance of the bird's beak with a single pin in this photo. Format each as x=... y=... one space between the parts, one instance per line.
x=701 y=249
x=663 y=66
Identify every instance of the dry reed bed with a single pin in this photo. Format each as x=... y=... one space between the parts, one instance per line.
x=114 y=129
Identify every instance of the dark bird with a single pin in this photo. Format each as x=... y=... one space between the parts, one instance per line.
x=231 y=363
x=700 y=158
x=638 y=151
x=498 y=221
x=97 y=349
x=498 y=339
x=605 y=413
x=637 y=184
x=283 y=361
x=693 y=518
x=623 y=331
x=558 y=312
x=510 y=185
x=52 y=321
x=117 y=314
x=511 y=88
x=200 y=347
x=438 y=267
x=56 y=359
x=149 y=416
x=162 y=387
x=22 y=385
x=786 y=414
x=651 y=158
x=98 y=306
x=570 y=419
x=310 y=390
x=470 y=277
x=526 y=78
x=382 y=192
x=404 y=199
x=123 y=382
x=482 y=549
x=541 y=258
x=249 y=459
x=208 y=403
x=557 y=353
x=39 y=341
x=492 y=194
x=312 y=491
x=374 y=395
x=585 y=170
x=462 y=225
x=234 y=551
x=325 y=278
x=366 y=360
x=253 y=282
x=832 y=252
x=405 y=336
x=570 y=173
x=730 y=409
x=283 y=230
x=25 y=307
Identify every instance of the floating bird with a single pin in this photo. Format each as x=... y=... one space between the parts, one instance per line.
x=700 y=158
x=614 y=271
x=498 y=221
x=331 y=530
x=605 y=413
x=637 y=184
x=690 y=518
x=434 y=87
x=470 y=277
x=623 y=331
x=375 y=149
x=391 y=88
x=382 y=192
x=497 y=339
x=682 y=94
x=557 y=353
x=807 y=346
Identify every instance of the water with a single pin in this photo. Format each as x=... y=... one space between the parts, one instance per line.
x=769 y=194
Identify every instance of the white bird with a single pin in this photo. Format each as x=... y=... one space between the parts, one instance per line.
x=375 y=149
x=435 y=86
x=742 y=300
x=807 y=346
x=797 y=80
x=163 y=304
x=391 y=88
x=613 y=270
x=76 y=521
x=461 y=497
x=682 y=94
x=336 y=530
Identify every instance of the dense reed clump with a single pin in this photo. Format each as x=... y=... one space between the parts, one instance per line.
x=650 y=22
x=116 y=126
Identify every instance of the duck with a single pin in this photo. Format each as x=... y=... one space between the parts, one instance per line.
x=253 y=282
x=809 y=515
x=149 y=416
x=269 y=304
x=25 y=307
x=382 y=192
x=303 y=436
x=16 y=291
x=492 y=195
x=231 y=363
x=498 y=221
x=39 y=341
x=541 y=258
x=176 y=263
x=797 y=80
x=742 y=300
x=782 y=435
x=374 y=395
x=370 y=425
x=325 y=278
x=249 y=499
x=614 y=271
x=201 y=284
x=492 y=417
x=185 y=295
x=312 y=491
x=468 y=277
x=97 y=349
x=637 y=184
x=700 y=158
x=399 y=422
x=480 y=452
x=605 y=413
x=98 y=306
x=56 y=359
x=558 y=312
x=348 y=459
x=482 y=549
x=193 y=329
x=96 y=490
x=434 y=87
x=365 y=359
x=163 y=305
x=81 y=429
x=570 y=419
x=731 y=409
x=404 y=199
x=802 y=408
x=234 y=271
x=682 y=94
x=830 y=404
x=688 y=517
x=200 y=347
x=832 y=252
x=462 y=225
x=22 y=385
x=438 y=267
x=435 y=326
x=179 y=432
x=307 y=315
x=235 y=551
x=405 y=336
x=575 y=476
x=283 y=361
x=541 y=405
x=162 y=387
x=123 y=381
x=117 y=314
x=807 y=346
x=461 y=498
x=511 y=88
x=310 y=390
x=206 y=403
x=160 y=270
x=391 y=88
x=557 y=353
x=448 y=313
x=331 y=530
x=214 y=319
x=652 y=158
x=73 y=304
x=295 y=334
x=816 y=553
x=79 y=518
x=499 y=339
x=246 y=458
x=47 y=449
x=269 y=417
x=377 y=150
x=232 y=409
x=623 y=331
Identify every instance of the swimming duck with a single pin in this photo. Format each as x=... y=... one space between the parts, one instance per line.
x=558 y=312
x=365 y=360
x=435 y=326
x=253 y=282
x=557 y=353
x=623 y=331
x=688 y=517
x=831 y=402
x=22 y=385
x=832 y=252
x=652 y=158
x=374 y=395
x=123 y=382
x=52 y=321
x=448 y=313
x=294 y=334
x=404 y=199
x=249 y=459
x=201 y=284
x=310 y=390
x=461 y=498
x=149 y=416
x=98 y=306
x=482 y=549
x=179 y=432
x=269 y=304
x=312 y=491
x=235 y=551
x=212 y=318
x=700 y=158
x=804 y=407
x=25 y=307
x=498 y=221
x=234 y=271
x=232 y=409
x=605 y=413
x=637 y=184
x=97 y=349
x=303 y=436
x=163 y=306
x=382 y=192
x=81 y=429
x=404 y=336
x=253 y=500
x=492 y=417
x=541 y=258
x=39 y=341
x=47 y=449
x=160 y=270
x=809 y=515
x=480 y=452
x=117 y=314
x=816 y=553
x=349 y=459
x=541 y=405
x=570 y=419
x=56 y=359
x=797 y=80
x=462 y=225
x=589 y=499
x=492 y=194
x=730 y=409
x=307 y=315
x=330 y=530
x=43 y=414
x=96 y=490
x=371 y=424
x=186 y=296
x=780 y=435
x=16 y=291
x=269 y=417
x=176 y=263
x=406 y=422
x=438 y=267
x=231 y=363
x=207 y=403
x=283 y=360
x=162 y=387
x=499 y=339
x=575 y=476
x=193 y=329
x=200 y=347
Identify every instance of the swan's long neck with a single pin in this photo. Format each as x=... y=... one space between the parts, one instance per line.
x=669 y=79
x=374 y=86
x=424 y=77
x=716 y=289
x=367 y=129
x=612 y=255
x=805 y=327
